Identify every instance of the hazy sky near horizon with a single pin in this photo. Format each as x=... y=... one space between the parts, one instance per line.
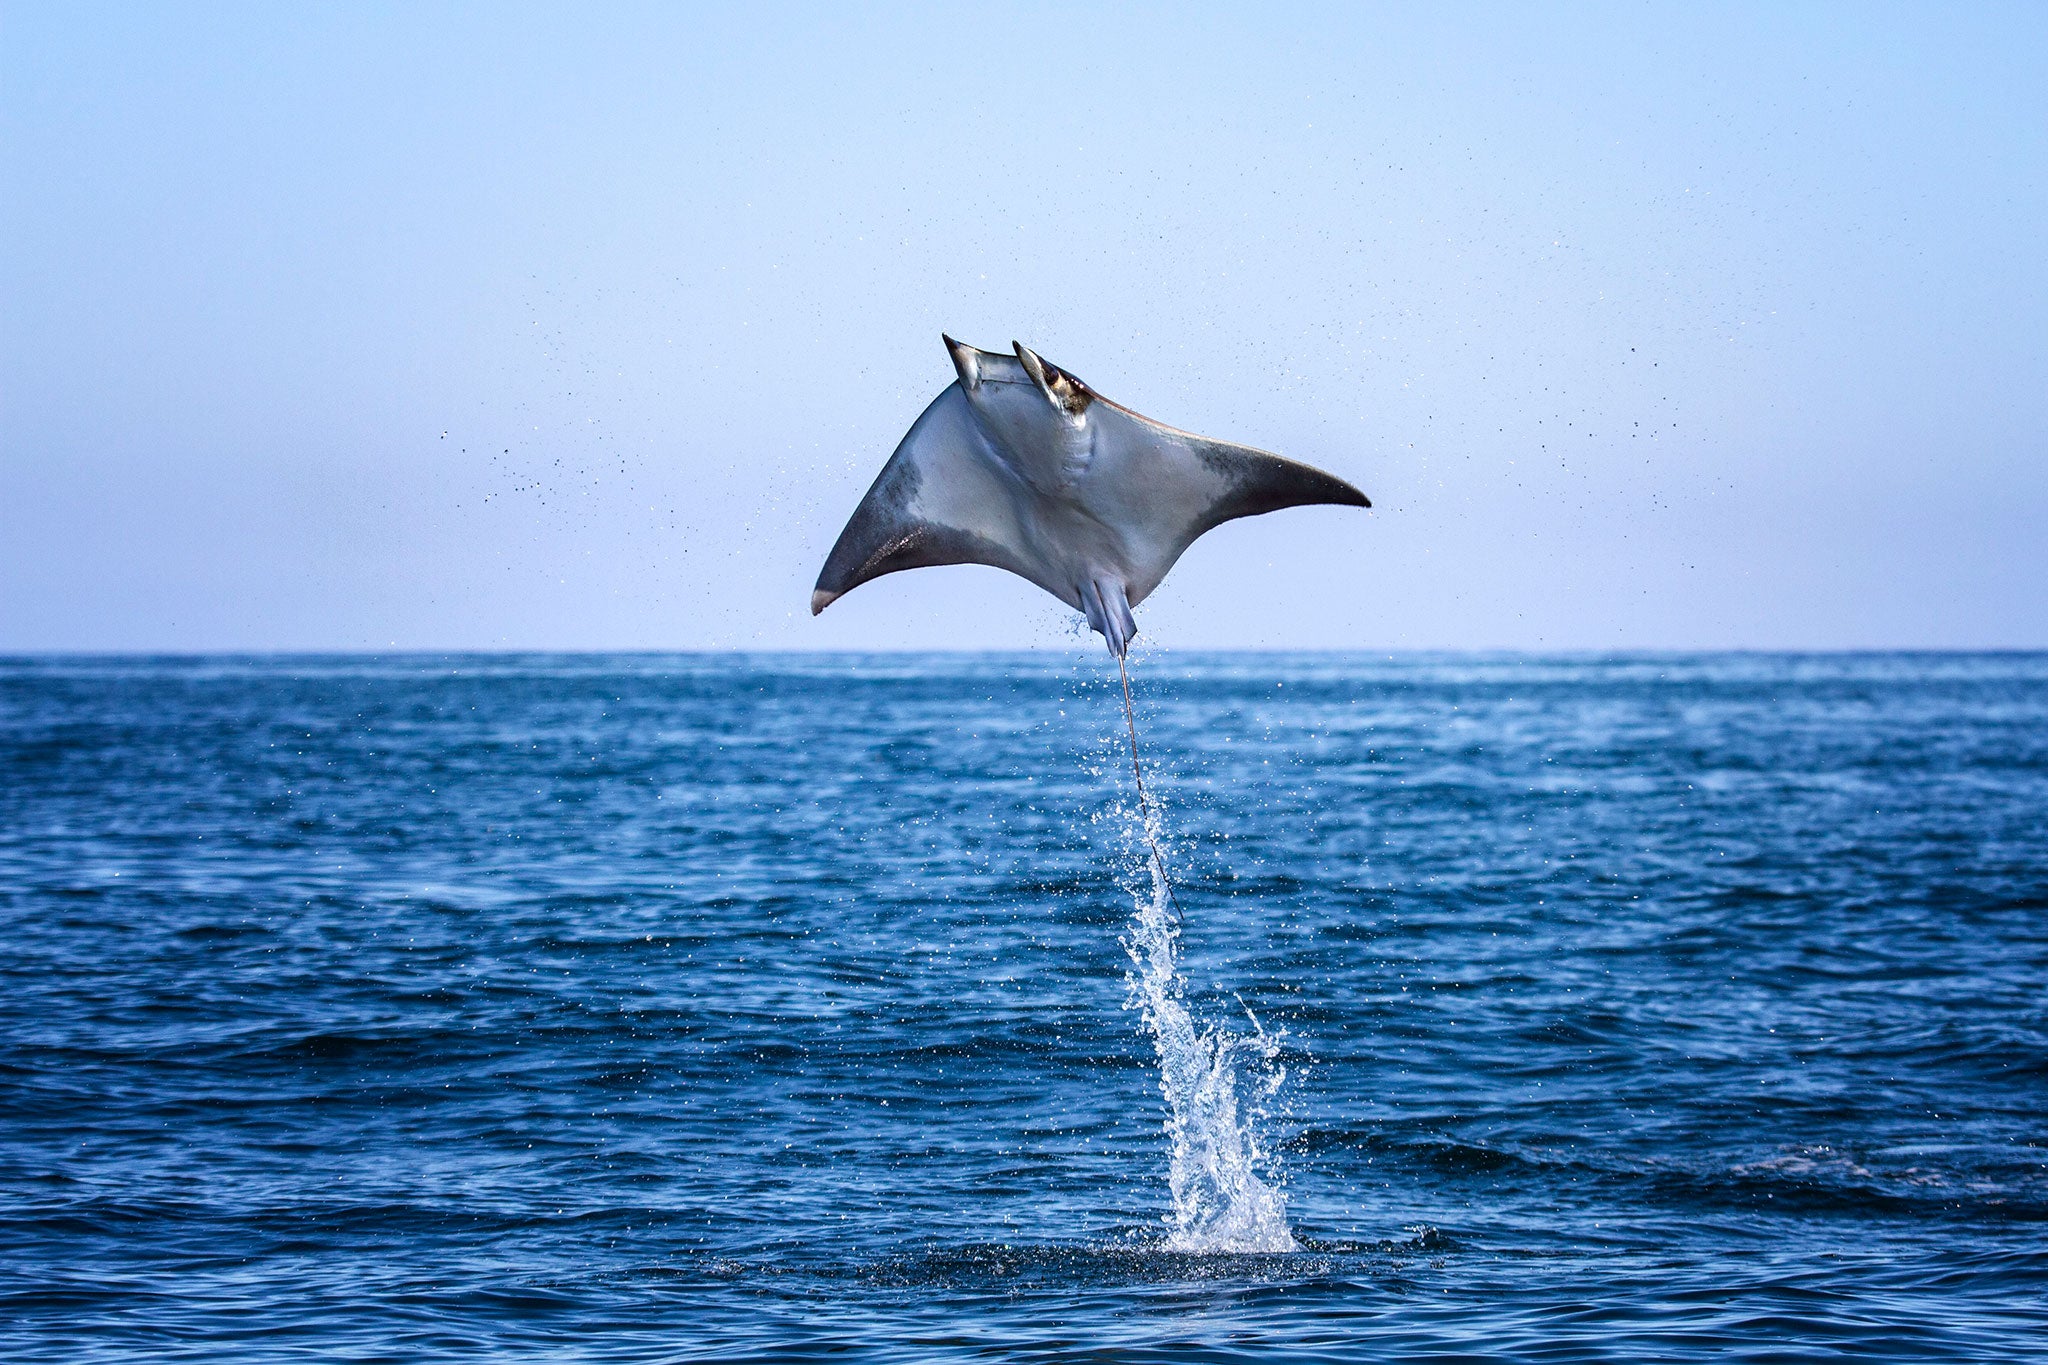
x=506 y=327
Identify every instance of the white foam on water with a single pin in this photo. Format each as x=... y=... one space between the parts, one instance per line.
x=1219 y=1202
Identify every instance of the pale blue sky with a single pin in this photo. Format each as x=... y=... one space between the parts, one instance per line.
x=1643 y=325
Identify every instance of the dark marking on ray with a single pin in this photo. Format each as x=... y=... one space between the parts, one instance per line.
x=885 y=537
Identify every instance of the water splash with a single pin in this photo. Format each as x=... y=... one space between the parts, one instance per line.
x=1219 y=1202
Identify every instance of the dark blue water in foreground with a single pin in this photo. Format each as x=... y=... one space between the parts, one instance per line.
x=689 y=1008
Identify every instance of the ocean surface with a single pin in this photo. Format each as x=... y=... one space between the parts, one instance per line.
x=677 y=1008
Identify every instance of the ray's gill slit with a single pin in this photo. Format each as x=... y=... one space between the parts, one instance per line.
x=1220 y=1204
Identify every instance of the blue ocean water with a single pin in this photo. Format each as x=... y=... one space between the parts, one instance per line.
x=672 y=1008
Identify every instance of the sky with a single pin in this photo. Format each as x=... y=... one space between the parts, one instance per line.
x=586 y=327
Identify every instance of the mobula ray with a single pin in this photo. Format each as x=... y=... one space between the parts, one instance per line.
x=1020 y=465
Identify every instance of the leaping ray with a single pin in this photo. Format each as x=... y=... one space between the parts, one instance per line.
x=1020 y=465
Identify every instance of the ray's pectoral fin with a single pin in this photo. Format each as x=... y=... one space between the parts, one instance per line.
x=1255 y=482
x=1109 y=612
x=1163 y=489
x=937 y=501
x=882 y=536
x=887 y=534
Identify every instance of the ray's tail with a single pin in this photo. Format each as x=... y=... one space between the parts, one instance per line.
x=1148 y=814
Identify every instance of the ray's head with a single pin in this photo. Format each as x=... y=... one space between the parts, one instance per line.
x=1022 y=399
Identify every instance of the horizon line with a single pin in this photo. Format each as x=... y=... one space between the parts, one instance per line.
x=8 y=656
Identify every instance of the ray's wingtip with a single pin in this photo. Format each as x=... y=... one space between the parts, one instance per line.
x=821 y=600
